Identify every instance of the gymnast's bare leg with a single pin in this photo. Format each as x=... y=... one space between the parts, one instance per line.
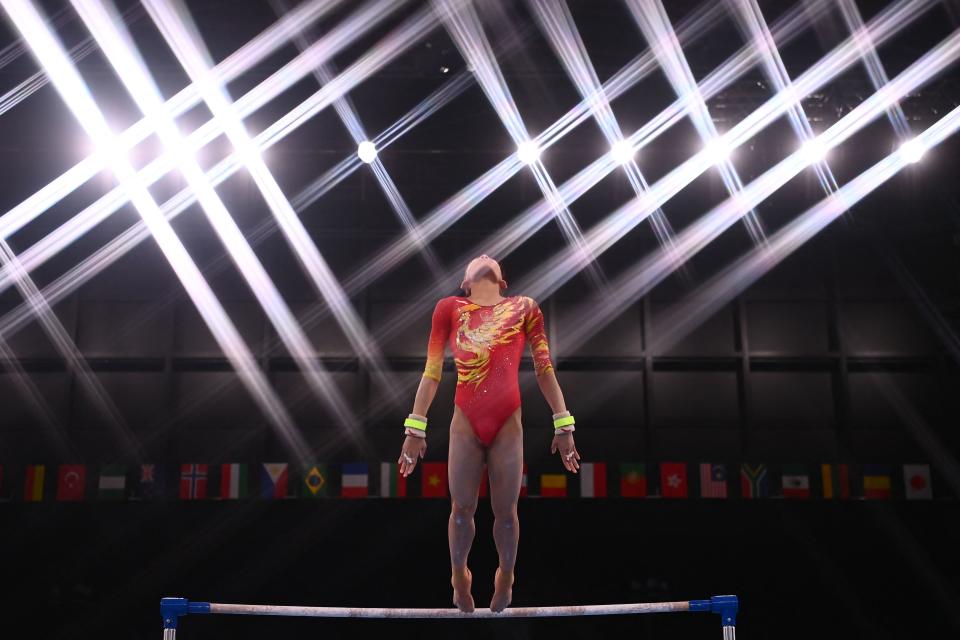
x=465 y=468
x=505 y=469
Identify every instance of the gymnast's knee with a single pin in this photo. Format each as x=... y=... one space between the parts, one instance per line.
x=505 y=516
x=462 y=512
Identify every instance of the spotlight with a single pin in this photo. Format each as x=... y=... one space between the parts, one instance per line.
x=717 y=150
x=528 y=152
x=813 y=150
x=367 y=151
x=622 y=152
x=912 y=150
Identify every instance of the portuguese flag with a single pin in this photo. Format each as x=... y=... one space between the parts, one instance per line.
x=633 y=480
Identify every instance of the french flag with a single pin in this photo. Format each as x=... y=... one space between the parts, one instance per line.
x=356 y=481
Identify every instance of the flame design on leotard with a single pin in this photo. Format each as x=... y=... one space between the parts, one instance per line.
x=505 y=321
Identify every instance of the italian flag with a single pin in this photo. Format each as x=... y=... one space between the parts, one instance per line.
x=355 y=481
x=33 y=483
x=392 y=484
x=593 y=480
x=233 y=481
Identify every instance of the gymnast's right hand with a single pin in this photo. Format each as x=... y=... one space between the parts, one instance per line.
x=413 y=449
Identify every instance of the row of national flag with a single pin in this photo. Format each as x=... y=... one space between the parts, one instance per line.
x=234 y=481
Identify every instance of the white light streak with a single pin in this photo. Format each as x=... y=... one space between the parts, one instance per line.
x=230 y=68
x=178 y=29
x=68 y=83
x=120 y=51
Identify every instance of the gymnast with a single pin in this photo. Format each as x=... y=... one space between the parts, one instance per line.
x=486 y=332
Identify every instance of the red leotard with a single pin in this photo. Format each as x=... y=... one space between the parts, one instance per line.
x=487 y=342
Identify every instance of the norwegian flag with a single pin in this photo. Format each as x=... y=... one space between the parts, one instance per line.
x=193 y=481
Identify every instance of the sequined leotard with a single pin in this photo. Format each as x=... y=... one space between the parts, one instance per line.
x=487 y=342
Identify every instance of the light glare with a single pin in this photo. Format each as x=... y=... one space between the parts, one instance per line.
x=622 y=152
x=814 y=150
x=912 y=150
x=367 y=151
x=528 y=152
x=717 y=150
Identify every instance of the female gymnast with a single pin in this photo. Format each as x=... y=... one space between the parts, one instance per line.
x=486 y=332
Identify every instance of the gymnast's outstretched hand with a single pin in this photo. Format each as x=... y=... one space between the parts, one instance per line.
x=413 y=449
x=569 y=456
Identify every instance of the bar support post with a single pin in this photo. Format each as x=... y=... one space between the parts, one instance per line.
x=726 y=607
x=172 y=608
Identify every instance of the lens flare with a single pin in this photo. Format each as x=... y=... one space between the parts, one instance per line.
x=528 y=152
x=367 y=151
x=912 y=150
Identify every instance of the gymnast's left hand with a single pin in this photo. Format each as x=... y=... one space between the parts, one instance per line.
x=413 y=449
x=569 y=455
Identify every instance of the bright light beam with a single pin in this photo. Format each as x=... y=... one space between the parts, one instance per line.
x=106 y=205
x=654 y=24
x=558 y=270
x=119 y=49
x=463 y=24
x=367 y=152
x=751 y=22
x=871 y=59
x=785 y=30
x=693 y=27
x=178 y=29
x=48 y=50
x=66 y=347
x=748 y=269
x=557 y=23
x=646 y=274
x=387 y=49
x=603 y=235
x=241 y=60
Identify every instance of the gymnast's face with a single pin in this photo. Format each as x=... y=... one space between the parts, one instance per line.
x=483 y=268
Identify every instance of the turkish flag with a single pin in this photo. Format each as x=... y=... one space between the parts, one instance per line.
x=71 y=482
x=673 y=479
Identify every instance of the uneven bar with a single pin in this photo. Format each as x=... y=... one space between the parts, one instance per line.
x=726 y=606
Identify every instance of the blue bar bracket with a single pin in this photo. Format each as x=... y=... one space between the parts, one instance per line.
x=726 y=606
x=172 y=608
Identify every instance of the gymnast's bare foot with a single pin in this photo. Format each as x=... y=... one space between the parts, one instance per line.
x=461 y=581
x=502 y=590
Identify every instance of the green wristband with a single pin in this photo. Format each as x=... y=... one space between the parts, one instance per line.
x=562 y=422
x=413 y=423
